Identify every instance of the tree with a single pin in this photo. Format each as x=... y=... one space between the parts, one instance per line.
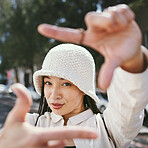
x=107 y=3
x=19 y=35
x=20 y=43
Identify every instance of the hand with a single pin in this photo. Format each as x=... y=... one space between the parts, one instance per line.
x=19 y=134
x=113 y=33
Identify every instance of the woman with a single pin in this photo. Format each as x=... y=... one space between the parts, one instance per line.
x=66 y=80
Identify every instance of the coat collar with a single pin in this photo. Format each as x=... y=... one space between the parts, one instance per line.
x=77 y=119
x=56 y=118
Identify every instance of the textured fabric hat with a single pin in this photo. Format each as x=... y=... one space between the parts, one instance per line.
x=71 y=62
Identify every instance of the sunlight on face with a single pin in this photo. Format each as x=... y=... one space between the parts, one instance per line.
x=63 y=97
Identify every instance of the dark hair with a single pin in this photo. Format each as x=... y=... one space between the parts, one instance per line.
x=43 y=106
x=88 y=103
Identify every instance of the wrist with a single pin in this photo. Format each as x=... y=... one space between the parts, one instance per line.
x=136 y=65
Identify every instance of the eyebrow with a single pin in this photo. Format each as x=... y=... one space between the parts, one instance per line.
x=50 y=78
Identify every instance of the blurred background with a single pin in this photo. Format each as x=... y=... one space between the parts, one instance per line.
x=22 y=48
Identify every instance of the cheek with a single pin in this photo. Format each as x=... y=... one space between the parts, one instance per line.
x=74 y=98
x=47 y=93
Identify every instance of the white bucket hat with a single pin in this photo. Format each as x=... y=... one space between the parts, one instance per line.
x=71 y=62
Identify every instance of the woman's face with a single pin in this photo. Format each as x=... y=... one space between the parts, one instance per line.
x=62 y=96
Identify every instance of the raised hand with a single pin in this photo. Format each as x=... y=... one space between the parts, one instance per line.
x=19 y=134
x=113 y=33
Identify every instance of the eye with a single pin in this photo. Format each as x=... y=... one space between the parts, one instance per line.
x=67 y=84
x=47 y=83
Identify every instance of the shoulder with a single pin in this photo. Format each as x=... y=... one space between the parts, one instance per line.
x=44 y=120
x=32 y=118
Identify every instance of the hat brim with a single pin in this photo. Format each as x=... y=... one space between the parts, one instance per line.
x=37 y=79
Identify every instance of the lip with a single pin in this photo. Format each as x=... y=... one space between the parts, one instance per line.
x=57 y=105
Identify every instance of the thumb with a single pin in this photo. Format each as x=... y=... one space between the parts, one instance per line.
x=22 y=105
x=106 y=73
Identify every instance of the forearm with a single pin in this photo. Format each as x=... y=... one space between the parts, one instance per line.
x=127 y=99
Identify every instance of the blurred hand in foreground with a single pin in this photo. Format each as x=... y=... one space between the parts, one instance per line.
x=17 y=133
x=113 y=33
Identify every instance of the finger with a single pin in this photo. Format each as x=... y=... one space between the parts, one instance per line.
x=22 y=104
x=106 y=73
x=120 y=19
x=47 y=134
x=111 y=19
x=99 y=21
x=60 y=33
x=127 y=11
x=121 y=16
x=56 y=144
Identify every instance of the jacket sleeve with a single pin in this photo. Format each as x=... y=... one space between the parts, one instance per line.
x=128 y=96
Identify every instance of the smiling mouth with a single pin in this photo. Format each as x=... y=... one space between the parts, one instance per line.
x=57 y=105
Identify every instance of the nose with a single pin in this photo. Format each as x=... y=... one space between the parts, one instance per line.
x=55 y=94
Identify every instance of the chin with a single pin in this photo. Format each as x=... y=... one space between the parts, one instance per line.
x=57 y=112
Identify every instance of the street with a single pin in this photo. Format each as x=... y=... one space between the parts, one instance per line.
x=6 y=104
